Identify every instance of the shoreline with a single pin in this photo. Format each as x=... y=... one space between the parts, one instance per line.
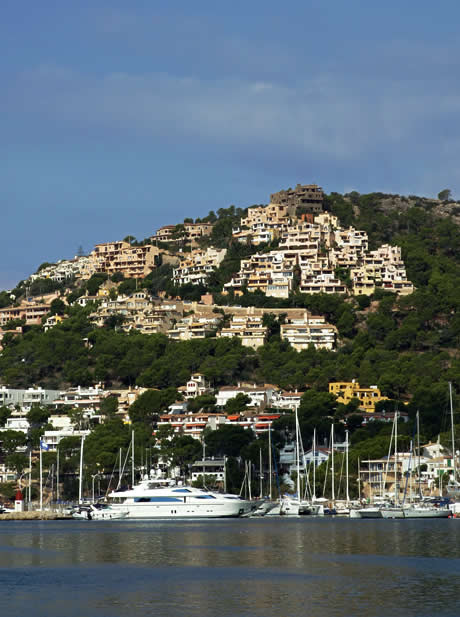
x=34 y=516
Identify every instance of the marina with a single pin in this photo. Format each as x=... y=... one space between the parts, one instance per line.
x=231 y=567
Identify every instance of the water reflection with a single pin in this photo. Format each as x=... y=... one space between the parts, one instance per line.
x=231 y=568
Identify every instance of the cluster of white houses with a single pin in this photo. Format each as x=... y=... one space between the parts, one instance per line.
x=312 y=252
x=195 y=267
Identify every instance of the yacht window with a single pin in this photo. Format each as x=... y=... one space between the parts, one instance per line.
x=157 y=499
x=205 y=497
x=182 y=490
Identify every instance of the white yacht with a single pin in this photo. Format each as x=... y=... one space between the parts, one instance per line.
x=164 y=498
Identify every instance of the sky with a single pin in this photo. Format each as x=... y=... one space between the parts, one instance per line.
x=119 y=117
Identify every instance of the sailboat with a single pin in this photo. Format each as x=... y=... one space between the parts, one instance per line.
x=453 y=486
x=92 y=512
x=406 y=511
x=290 y=506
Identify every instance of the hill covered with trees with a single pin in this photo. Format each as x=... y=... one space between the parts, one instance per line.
x=408 y=346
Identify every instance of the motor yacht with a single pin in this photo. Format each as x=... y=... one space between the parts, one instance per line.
x=164 y=498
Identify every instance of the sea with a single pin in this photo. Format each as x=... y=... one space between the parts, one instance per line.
x=257 y=567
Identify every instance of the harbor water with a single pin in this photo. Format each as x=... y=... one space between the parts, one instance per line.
x=230 y=568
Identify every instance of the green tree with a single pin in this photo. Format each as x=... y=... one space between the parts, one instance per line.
x=444 y=195
x=237 y=404
x=109 y=406
x=5 y=413
x=149 y=404
x=17 y=461
x=38 y=415
x=205 y=402
x=57 y=307
x=12 y=440
x=228 y=440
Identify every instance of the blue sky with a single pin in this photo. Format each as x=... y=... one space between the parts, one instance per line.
x=119 y=117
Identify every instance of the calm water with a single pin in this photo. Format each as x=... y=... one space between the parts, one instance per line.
x=230 y=568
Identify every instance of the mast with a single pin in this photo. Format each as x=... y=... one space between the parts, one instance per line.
x=418 y=450
x=57 y=474
x=346 y=468
x=270 y=458
x=314 y=465
x=80 y=483
x=249 y=479
x=359 y=479
x=260 y=474
x=452 y=431
x=30 y=477
x=297 y=430
x=41 y=478
x=396 y=460
x=132 y=458
x=332 y=463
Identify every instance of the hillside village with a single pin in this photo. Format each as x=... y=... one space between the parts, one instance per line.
x=294 y=247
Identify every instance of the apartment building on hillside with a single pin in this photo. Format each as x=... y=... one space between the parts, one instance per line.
x=63 y=270
x=196 y=266
x=249 y=329
x=31 y=312
x=112 y=257
x=308 y=196
x=309 y=330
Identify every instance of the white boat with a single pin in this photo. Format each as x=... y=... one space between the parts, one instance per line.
x=96 y=512
x=392 y=512
x=370 y=512
x=162 y=498
x=423 y=511
x=290 y=506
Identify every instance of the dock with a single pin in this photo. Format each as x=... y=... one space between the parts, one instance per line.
x=34 y=515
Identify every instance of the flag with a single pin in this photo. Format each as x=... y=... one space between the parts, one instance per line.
x=44 y=446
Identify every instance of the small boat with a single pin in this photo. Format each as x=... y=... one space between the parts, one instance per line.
x=97 y=512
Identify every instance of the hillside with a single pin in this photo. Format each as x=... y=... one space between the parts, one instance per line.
x=407 y=345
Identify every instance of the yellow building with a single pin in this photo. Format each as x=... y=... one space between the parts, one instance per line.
x=347 y=390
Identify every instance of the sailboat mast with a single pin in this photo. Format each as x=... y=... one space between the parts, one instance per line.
x=260 y=474
x=41 y=478
x=452 y=431
x=359 y=479
x=332 y=463
x=396 y=459
x=297 y=452
x=58 y=496
x=314 y=465
x=418 y=450
x=80 y=483
x=346 y=468
x=270 y=458
x=132 y=457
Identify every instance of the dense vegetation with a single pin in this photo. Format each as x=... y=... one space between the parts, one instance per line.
x=408 y=346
